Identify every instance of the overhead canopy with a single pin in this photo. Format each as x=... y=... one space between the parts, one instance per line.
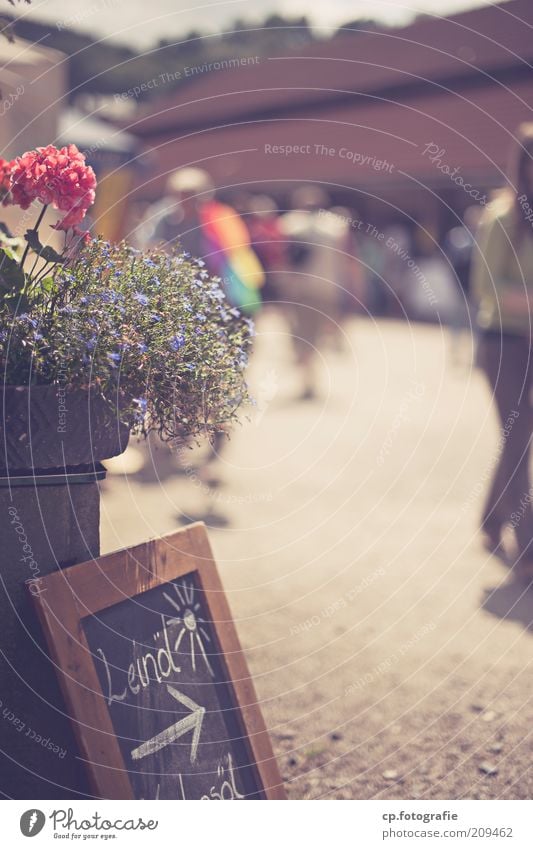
x=91 y=133
x=462 y=83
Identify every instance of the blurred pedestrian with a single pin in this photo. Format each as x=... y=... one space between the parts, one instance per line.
x=263 y=222
x=503 y=283
x=353 y=269
x=458 y=247
x=212 y=231
x=312 y=286
x=190 y=218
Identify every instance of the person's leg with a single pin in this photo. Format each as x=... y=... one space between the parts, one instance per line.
x=304 y=329
x=494 y=511
x=506 y=361
x=521 y=491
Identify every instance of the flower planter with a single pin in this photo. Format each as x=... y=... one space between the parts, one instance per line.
x=150 y=331
x=49 y=519
x=53 y=427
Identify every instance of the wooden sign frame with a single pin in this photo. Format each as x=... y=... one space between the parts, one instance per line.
x=68 y=596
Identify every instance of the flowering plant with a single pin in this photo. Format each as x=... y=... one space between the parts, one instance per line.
x=150 y=332
x=59 y=177
x=49 y=176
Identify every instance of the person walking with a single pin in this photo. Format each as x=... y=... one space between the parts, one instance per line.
x=502 y=282
x=313 y=290
x=190 y=218
x=263 y=222
x=193 y=219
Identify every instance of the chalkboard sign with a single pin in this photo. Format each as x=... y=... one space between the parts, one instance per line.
x=157 y=685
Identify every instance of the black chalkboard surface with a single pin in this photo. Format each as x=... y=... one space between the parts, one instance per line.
x=165 y=686
x=158 y=688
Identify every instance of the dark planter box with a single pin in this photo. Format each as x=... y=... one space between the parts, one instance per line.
x=53 y=427
x=44 y=525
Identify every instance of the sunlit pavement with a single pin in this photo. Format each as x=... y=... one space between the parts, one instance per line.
x=390 y=652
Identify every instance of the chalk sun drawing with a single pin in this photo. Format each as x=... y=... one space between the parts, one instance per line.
x=191 y=623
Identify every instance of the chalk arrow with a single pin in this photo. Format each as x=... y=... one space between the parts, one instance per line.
x=174 y=732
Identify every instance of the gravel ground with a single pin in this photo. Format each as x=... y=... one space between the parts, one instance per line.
x=391 y=653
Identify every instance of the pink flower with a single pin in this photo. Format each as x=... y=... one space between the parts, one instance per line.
x=54 y=176
x=5 y=181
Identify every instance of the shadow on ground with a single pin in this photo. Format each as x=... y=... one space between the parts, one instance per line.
x=512 y=600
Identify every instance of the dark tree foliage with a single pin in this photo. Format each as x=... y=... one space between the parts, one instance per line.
x=103 y=68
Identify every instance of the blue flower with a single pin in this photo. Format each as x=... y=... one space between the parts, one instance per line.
x=177 y=342
x=114 y=358
x=142 y=347
x=141 y=298
x=155 y=317
x=142 y=404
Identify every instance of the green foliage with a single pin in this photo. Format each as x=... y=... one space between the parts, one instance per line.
x=46 y=252
x=152 y=329
x=6 y=25
x=100 y=67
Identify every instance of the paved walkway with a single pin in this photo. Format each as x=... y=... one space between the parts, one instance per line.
x=392 y=654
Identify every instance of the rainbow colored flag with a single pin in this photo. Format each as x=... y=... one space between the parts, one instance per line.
x=229 y=255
